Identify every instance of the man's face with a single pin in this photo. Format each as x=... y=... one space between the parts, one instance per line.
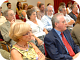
x=50 y=11
x=9 y=6
x=75 y=8
x=61 y=26
x=11 y=16
x=64 y=11
x=42 y=8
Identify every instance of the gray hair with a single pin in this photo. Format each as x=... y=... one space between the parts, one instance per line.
x=60 y=8
x=29 y=12
x=6 y=12
x=50 y=6
x=55 y=19
x=73 y=6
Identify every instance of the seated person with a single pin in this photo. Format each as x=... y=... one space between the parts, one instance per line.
x=19 y=9
x=40 y=14
x=2 y=18
x=46 y=19
x=23 y=49
x=75 y=33
x=25 y=6
x=8 y=5
x=74 y=14
x=70 y=21
x=4 y=28
x=58 y=41
x=38 y=29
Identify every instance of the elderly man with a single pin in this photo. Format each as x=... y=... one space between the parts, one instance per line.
x=40 y=14
x=10 y=17
x=69 y=20
x=46 y=19
x=58 y=41
x=74 y=13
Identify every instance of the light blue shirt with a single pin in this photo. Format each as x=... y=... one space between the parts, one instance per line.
x=47 y=22
x=59 y=34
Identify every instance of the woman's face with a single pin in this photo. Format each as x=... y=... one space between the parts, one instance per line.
x=19 y=5
x=27 y=36
x=33 y=15
x=26 y=6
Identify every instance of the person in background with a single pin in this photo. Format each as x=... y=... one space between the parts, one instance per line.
x=37 y=7
x=62 y=4
x=48 y=4
x=74 y=14
x=58 y=42
x=2 y=18
x=46 y=19
x=19 y=9
x=40 y=14
x=38 y=29
x=5 y=27
x=75 y=33
x=9 y=5
x=21 y=34
x=25 y=7
x=68 y=9
x=70 y=21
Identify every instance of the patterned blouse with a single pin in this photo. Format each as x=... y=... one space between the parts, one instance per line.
x=28 y=54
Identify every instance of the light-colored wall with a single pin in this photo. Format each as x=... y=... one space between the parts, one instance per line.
x=14 y=2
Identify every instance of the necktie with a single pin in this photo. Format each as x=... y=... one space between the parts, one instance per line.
x=67 y=45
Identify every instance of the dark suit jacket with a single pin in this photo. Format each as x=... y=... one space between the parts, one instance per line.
x=55 y=48
x=72 y=16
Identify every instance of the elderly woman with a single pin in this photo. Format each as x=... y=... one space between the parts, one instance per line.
x=38 y=29
x=23 y=49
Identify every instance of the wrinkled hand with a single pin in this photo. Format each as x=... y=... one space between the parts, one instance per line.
x=40 y=42
x=76 y=55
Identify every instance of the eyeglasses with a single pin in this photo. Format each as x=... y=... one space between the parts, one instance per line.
x=28 y=33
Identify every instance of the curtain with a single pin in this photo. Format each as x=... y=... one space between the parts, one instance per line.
x=57 y=2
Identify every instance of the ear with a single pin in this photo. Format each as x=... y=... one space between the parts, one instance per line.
x=56 y=24
x=6 y=17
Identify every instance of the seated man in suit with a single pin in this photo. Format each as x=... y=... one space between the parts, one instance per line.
x=4 y=28
x=58 y=41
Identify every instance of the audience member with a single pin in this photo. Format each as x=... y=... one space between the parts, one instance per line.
x=19 y=9
x=2 y=18
x=8 y=5
x=62 y=4
x=68 y=19
x=30 y=7
x=74 y=13
x=21 y=33
x=68 y=9
x=38 y=29
x=46 y=19
x=10 y=17
x=48 y=4
x=76 y=31
x=40 y=14
x=25 y=6
x=58 y=41
x=37 y=7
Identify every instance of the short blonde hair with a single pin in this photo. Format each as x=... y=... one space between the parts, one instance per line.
x=19 y=29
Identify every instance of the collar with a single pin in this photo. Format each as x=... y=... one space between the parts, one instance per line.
x=76 y=14
x=58 y=32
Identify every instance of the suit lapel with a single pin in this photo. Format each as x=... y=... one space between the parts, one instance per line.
x=58 y=38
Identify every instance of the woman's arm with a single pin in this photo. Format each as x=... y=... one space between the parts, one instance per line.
x=40 y=54
x=23 y=13
x=15 y=55
x=45 y=31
